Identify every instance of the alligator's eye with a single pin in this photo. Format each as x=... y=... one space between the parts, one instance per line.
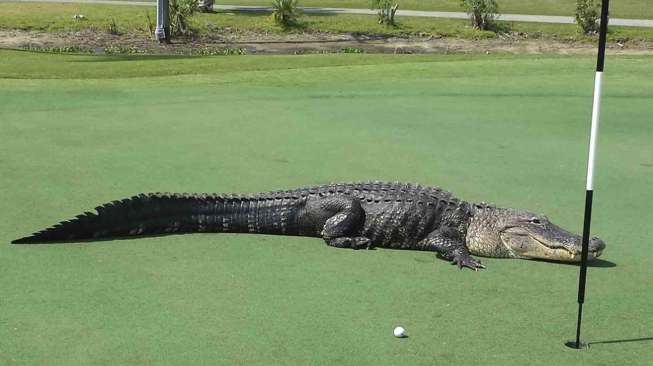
x=536 y=221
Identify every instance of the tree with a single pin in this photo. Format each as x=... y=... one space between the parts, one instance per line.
x=387 y=10
x=180 y=13
x=587 y=16
x=481 y=12
x=285 y=12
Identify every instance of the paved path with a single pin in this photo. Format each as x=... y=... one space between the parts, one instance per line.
x=409 y=13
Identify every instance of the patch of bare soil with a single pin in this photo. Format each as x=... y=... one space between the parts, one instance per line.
x=228 y=42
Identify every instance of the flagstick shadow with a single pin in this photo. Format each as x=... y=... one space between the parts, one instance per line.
x=601 y=263
x=595 y=263
x=644 y=339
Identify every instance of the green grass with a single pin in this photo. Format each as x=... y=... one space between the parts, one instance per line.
x=639 y=9
x=363 y=24
x=59 y=17
x=358 y=24
x=76 y=131
x=132 y=19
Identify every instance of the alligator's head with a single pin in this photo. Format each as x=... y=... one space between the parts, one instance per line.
x=501 y=232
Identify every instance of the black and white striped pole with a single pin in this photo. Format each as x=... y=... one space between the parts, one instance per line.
x=589 y=192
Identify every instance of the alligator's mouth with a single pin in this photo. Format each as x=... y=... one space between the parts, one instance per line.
x=566 y=254
x=555 y=245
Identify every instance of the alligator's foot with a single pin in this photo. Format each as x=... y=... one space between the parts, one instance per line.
x=358 y=242
x=462 y=260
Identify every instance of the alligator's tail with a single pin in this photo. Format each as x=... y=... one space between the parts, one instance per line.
x=166 y=213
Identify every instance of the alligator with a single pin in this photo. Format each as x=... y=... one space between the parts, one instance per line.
x=345 y=215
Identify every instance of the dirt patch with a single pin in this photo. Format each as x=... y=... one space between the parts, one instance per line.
x=263 y=43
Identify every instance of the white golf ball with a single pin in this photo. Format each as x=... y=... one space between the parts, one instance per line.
x=399 y=332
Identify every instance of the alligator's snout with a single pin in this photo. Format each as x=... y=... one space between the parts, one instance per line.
x=596 y=246
x=523 y=234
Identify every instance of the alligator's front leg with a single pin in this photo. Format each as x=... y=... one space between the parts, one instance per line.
x=453 y=249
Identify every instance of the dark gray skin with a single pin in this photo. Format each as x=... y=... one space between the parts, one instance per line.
x=348 y=215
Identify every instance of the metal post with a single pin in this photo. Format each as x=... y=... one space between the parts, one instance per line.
x=589 y=188
x=162 y=32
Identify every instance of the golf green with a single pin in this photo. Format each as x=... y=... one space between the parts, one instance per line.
x=77 y=131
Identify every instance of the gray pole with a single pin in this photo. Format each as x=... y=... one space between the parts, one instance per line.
x=162 y=32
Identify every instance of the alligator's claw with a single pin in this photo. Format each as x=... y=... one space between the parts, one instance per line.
x=358 y=242
x=361 y=242
x=467 y=261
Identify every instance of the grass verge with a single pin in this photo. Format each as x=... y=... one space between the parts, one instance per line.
x=637 y=9
x=137 y=20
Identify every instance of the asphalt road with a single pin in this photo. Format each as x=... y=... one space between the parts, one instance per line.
x=411 y=13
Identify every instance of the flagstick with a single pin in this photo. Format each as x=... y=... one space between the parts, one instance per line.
x=596 y=109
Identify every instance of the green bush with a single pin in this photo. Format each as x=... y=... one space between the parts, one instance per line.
x=482 y=13
x=285 y=12
x=180 y=13
x=151 y=27
x=112 y=27
x=587 y=16
x=387 y=10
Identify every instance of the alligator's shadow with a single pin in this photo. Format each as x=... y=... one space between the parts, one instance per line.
x=595 y=263
x=99 y=240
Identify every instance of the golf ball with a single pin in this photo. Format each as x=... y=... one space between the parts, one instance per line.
x=399 y=332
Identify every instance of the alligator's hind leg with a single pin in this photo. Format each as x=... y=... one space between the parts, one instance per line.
x=345 y=219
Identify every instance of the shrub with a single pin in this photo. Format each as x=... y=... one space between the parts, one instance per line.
x=151 y=27
x=482 y=13
x=285 y=12
x=180 y=13
x=352 y=50
x=587 y=16
x=387 y=10
x=112 y=27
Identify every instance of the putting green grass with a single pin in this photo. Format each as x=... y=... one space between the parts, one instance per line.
x=77 y=131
